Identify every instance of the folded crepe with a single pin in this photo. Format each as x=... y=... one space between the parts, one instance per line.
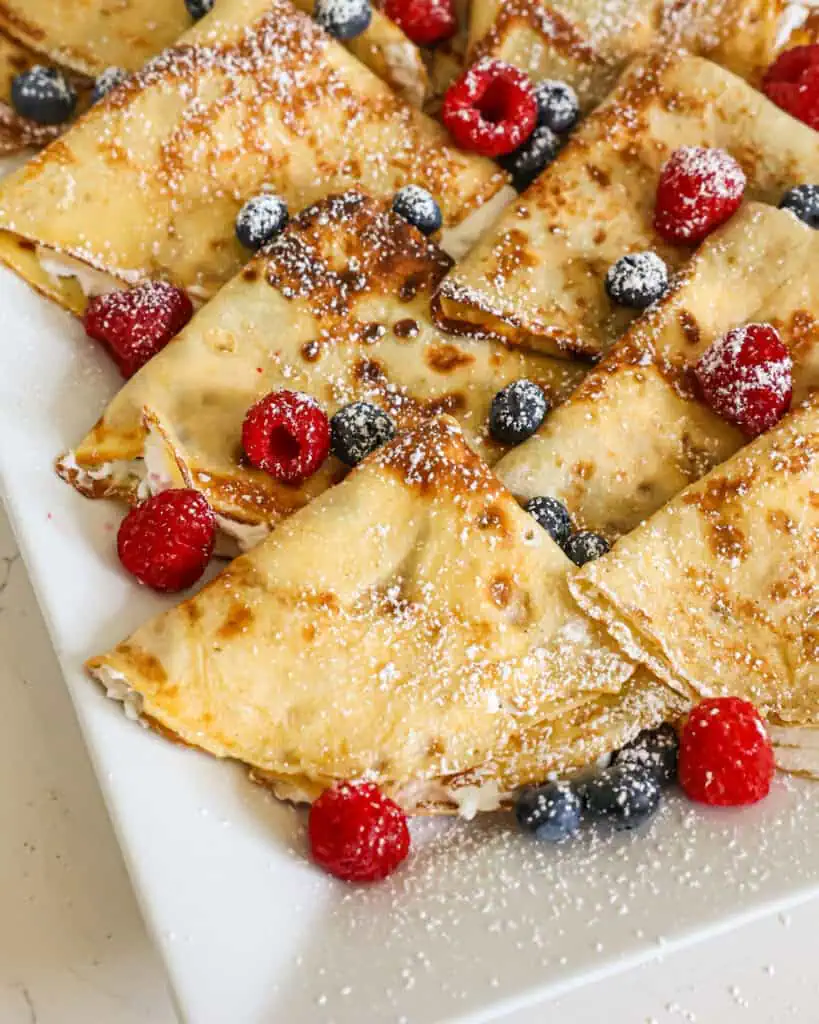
x=413 y=626
x=718 y=593
x=634 y=434
x=538 y=277
x=337 y=307
x=149 y=182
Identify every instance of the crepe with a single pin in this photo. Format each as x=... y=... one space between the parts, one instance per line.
x=337 y=307
x=149 y=182
x=718 y=593
x=537 y=278
x=407 y=627
x=634 y=435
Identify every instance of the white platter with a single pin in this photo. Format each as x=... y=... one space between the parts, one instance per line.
x=481 y=920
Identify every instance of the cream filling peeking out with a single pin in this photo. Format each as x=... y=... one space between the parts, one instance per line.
x=92 y=281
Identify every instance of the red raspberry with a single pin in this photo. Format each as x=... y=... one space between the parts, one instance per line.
x=167 y=541
x=287 y=435
x=136 y=324
x=424 y=22
x=699 y=189
x=492 y=109
x=792 y=82
x=726 y=757
x=747 y=378
x=357 y=834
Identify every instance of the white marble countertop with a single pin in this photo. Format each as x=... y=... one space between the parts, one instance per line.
x=73 y=948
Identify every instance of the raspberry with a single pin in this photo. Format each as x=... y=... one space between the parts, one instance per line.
x=287 y=435
x=492 y=109
x=747 y=378
x=136 y=324
x=792 y=83
x=424 y=22
x=357 y=834
x=726 y=757
x=699 y=189
x=167 y=541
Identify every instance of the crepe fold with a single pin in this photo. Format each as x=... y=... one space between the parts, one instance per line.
x=412 y=626
x=255 y=96
x=634 y=434
x=718 y=593
x=537 y=278
x=337 y=307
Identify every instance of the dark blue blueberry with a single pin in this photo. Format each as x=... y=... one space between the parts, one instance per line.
x=637 y=280
x=803 y=200
x=585 y=546
x=553 y=516
x=357 y=430
x=557 y=106
x=43 y=95
x=344 y=19
x=624 y=795
x=654 y=749
x=108 y=80
x=552 y=812
x=199 y=8
x=419 y=208
x=532 y=158
x=517 y=411
x=261 y=219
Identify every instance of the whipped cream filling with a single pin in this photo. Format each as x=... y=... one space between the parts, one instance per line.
x=92 y=281
x=119 y=689
x=457 y=242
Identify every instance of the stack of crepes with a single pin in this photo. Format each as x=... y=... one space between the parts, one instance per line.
x=408 y=622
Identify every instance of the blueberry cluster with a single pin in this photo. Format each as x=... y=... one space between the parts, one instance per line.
x=624 y=795
x=558 y=110
x=581 y=546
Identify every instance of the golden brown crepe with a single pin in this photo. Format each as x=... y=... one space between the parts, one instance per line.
x=537 y=278
x=337 y=307
x=411 y=625
x=149 y=182
x=718 y=593
x=634 y=435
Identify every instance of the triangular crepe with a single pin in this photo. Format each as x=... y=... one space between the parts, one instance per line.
x=149 y=182
x=538 y=277
x=411 y=625
x=338 y=307
x=633 y=434
x=718 y=593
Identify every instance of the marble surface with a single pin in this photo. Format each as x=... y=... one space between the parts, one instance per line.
x=73 y=948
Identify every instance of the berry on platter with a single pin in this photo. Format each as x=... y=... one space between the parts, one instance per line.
x=517 y=411
x=654 y=749
x=558 y=107
x=699 y=189
x=43 y=95
x=424 y=22
x=343 y=19
x=491 y=109
x=166 y=542
x=136 y=324
x=792 y=83
x=624 y=795
x=286 y=434
x=358 y=430
x=197 y=9
x=637 y=279
x=586 y=546
x=260 y=220
x=418 y=207
x=107 y=81
x=356 y=833
x=552 y=812
x=803 y=202
x=553 y=516
x=747 y=378
x=726 y=756
x=532 y=158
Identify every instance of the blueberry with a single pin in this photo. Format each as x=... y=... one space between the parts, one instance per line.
x=261 y=219
x=553 y=516
x=43 y=95
x=344 y=19
x=419 y=208
x=533 y=157
x=585 y=546
x=624 y=795
x=637 y=280
x=557 y=106
x=653 y=749
x=108 y=80
x=803 y=200
x=552 y=812
x=517 y=411
x=357 y=430
x=199 y=8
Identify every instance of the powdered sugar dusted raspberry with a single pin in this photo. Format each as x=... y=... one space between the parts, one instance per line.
x=286 y=434
x=491 y=109
x=699 y=189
